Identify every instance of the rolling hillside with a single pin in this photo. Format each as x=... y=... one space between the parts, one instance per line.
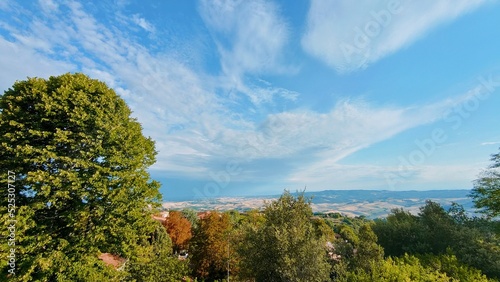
x=369 y=203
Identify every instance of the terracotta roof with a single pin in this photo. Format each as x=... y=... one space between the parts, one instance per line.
x=161 y=217
x=202 y=215
x=112 y=260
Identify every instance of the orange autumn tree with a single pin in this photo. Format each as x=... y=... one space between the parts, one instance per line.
x=210 y=247
x=179 y=230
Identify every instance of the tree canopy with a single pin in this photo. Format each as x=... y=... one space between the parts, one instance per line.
x=210 y=246
x=486 y=191
x=472 y=241
x=179 y=230
x=81 y=184
x=77 y=164
x=286 y=246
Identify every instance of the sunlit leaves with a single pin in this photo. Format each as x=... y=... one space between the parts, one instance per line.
x=80 y=162
x=486 y=192
x=285 y=246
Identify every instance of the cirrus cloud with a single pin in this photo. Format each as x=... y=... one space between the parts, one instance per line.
x=372 y=29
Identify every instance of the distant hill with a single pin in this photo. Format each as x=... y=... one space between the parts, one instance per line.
x=378 y=203
x=369 y=203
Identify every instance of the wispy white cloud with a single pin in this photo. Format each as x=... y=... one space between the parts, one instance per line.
x=353 y=126
x=5 y=5
x=163 y=93
x=251 y=37
x=362 y=176
x=256 y=32
x=490 y=143
x=351 y=35
x=196 y=129
x=17 y=63
x=143 y=23
x=48 y=6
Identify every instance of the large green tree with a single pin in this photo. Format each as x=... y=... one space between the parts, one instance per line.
x=399 y=233
x=486 y=191
x=81 y=184
x=286 y=247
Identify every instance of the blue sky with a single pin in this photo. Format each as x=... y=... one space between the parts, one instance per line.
x=253 y=97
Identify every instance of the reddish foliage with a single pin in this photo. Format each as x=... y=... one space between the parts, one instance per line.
x=179 y=230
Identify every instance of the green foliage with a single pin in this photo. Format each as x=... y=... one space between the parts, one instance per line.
x=192 y=216
x=437 y=228
x=345 y=247
x=434 y=231
x=398 y=233
x=323 y=229
x=473 y=248
x=356 y=251
x=235 y=218
x=407 y=268
x=157 y=264
x=361 y=259
x=412 y=268
x=368 y=252
x=486 y=192
x=82 y=187
x=449 y=264
x=349 y=234
x=286 y=246
x=254 y=218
